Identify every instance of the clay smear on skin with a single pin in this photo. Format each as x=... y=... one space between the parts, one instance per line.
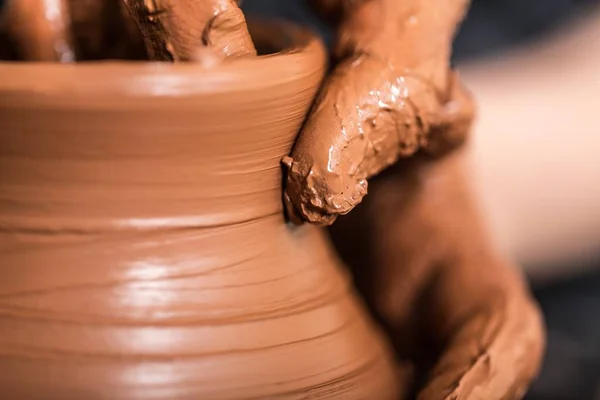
x=150 y=246
x=39 y=29
x=175 y=29
x=143 y=240
x=392 y=95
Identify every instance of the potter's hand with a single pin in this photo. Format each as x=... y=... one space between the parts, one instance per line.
x=392 y=95
x=454 y=309
x=176 y=30
x=35 y=30
x=173 y=30
x=68 y=30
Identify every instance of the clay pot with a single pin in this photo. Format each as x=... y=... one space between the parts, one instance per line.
x=143 y=248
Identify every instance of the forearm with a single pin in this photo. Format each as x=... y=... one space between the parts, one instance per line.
x=415 y=35
x=176 y=30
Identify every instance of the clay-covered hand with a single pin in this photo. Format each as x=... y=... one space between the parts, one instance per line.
x=68 y=30
x=172 y=30
x=392 y=94
x=35 y=30
x=459 y=316
x=176 y=30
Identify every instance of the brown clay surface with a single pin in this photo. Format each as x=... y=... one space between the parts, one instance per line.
x=143 y=251
x=451 y=304
x=392 y=94
x=174 y=30
x=38 y=29
x=69 y=30
x=104 y=30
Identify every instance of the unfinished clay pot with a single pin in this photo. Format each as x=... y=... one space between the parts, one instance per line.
x=143 y=248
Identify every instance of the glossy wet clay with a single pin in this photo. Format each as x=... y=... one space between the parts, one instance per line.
x=144 y=252
x=144 y=246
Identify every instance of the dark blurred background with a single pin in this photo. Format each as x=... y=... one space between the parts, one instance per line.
x=571 y=305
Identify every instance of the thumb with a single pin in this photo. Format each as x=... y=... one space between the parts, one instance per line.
x=368 y=115
x=493 y=353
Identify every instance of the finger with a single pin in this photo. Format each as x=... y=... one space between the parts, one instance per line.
x=456 y=118
x=380 y=104
x=368 y=115
x=38 y=29
x=103 y=29
x=493 y=353
x=177 y=29
x=391 y=243
x=228 y=33
x=421 y=259
x=475 y=306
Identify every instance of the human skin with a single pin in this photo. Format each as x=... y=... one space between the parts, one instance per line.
x=38 y=29
x=420 y=251
x=175 y=30
x=457 y=312
x=430 y=257
x=540 y=237
x=68 y=31
x=391 y=95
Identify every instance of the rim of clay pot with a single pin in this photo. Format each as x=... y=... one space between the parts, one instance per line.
x=295 y=51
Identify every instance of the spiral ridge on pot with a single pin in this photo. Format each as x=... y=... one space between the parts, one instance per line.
x=143 y=250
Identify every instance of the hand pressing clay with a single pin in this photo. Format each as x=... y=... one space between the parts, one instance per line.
x=174 y=30
x=392 y=94
x=38 y=30
x=104 y=29
x=453 y=307
x=417 y=247
x=143 y=249
x=69 y=30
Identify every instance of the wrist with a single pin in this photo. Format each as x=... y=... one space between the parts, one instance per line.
x=413 y=35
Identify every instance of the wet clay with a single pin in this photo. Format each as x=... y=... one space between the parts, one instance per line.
x=69 y=30
x=461 y=319
x=143 y=250
x=159 y=30
x=38 y=29
x=454 y=307
x=175 y=30
x=104 y=30
x=392 y=95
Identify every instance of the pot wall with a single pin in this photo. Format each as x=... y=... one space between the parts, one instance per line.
x=143 y=251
